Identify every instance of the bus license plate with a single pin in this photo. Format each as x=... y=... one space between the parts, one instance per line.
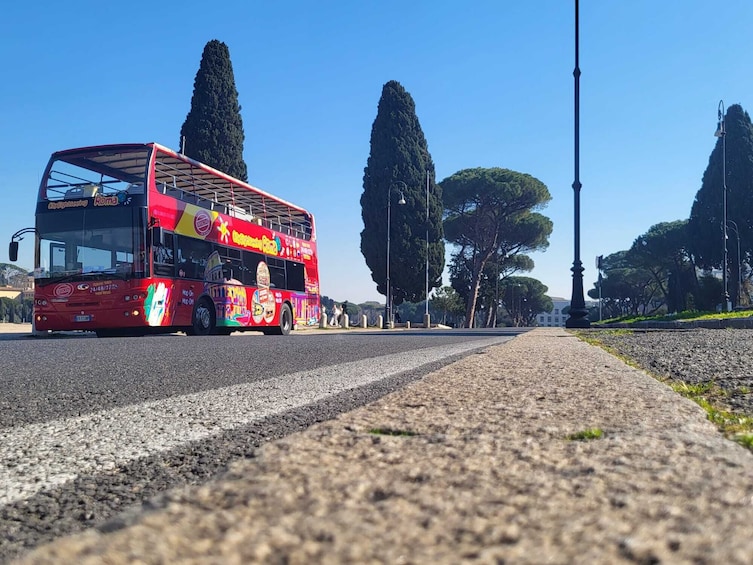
x=83 y=318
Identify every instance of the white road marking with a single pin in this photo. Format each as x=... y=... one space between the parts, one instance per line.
x=40 y=456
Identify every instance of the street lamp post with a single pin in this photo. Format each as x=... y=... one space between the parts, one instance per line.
x=387 y=323
x=733 y=225
x=578 y=314
x=426 y=312
x=721 y=131
x=599 y=268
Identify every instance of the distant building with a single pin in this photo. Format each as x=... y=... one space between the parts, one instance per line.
x=13 y=292
x=10 y=292
x=555 y=318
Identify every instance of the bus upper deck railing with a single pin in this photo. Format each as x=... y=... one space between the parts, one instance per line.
x=118 y=170
x=209 y=195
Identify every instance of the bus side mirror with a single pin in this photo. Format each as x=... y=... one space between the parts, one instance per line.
x=14 y=239
x=13 y=251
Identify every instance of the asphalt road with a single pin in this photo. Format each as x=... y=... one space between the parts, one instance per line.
x=90 y=427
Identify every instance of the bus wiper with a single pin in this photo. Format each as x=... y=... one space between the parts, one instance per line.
x=43 y=281
x=106 y=273
x=101 y=274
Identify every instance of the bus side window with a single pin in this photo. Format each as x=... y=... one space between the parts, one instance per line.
x=250 y=262
x=296 y=276
x=276 y=272
x=192 y=257
x=232 y=270
x=163 y=256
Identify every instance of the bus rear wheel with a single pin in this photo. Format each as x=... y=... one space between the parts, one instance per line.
x=286 y=322
x=203 y=320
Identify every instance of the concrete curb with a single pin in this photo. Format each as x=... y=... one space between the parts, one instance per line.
x=715 y=324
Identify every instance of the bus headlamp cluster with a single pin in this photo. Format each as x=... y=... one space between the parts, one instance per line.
x=40 y=302
x=134 y=313
x=139 y=296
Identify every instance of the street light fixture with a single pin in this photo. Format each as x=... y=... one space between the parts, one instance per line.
x=721 y=131
x=578 y=314
x=387 y=323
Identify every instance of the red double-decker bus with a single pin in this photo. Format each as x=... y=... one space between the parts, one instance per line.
x=135 y=238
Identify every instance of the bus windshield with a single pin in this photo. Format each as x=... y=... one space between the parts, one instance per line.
x=95 y=173
x=89 y=244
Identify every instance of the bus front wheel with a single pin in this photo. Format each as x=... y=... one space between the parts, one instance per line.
x=286 y=322
x=203 y=320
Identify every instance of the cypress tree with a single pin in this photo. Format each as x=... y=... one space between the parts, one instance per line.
x=213 y=130
x=398 y=164
x=705 y=231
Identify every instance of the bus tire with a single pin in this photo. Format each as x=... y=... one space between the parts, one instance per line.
x=286 y=322
x=203 y=319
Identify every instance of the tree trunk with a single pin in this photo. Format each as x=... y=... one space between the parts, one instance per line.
x=475 y=285
x=470 y=308
x=489 y=313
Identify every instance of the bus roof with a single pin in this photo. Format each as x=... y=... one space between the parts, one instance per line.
x=188 y=175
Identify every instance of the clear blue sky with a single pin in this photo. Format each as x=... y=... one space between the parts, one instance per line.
x=492 y=82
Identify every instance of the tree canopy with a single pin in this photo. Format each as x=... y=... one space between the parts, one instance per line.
x=497 y=269
x=448 y=302
x=399 y=163
x=663 y=252
x=213 y=130
x=524 y=298
x=11 y=275
x=490 y=212
x=627 y=289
